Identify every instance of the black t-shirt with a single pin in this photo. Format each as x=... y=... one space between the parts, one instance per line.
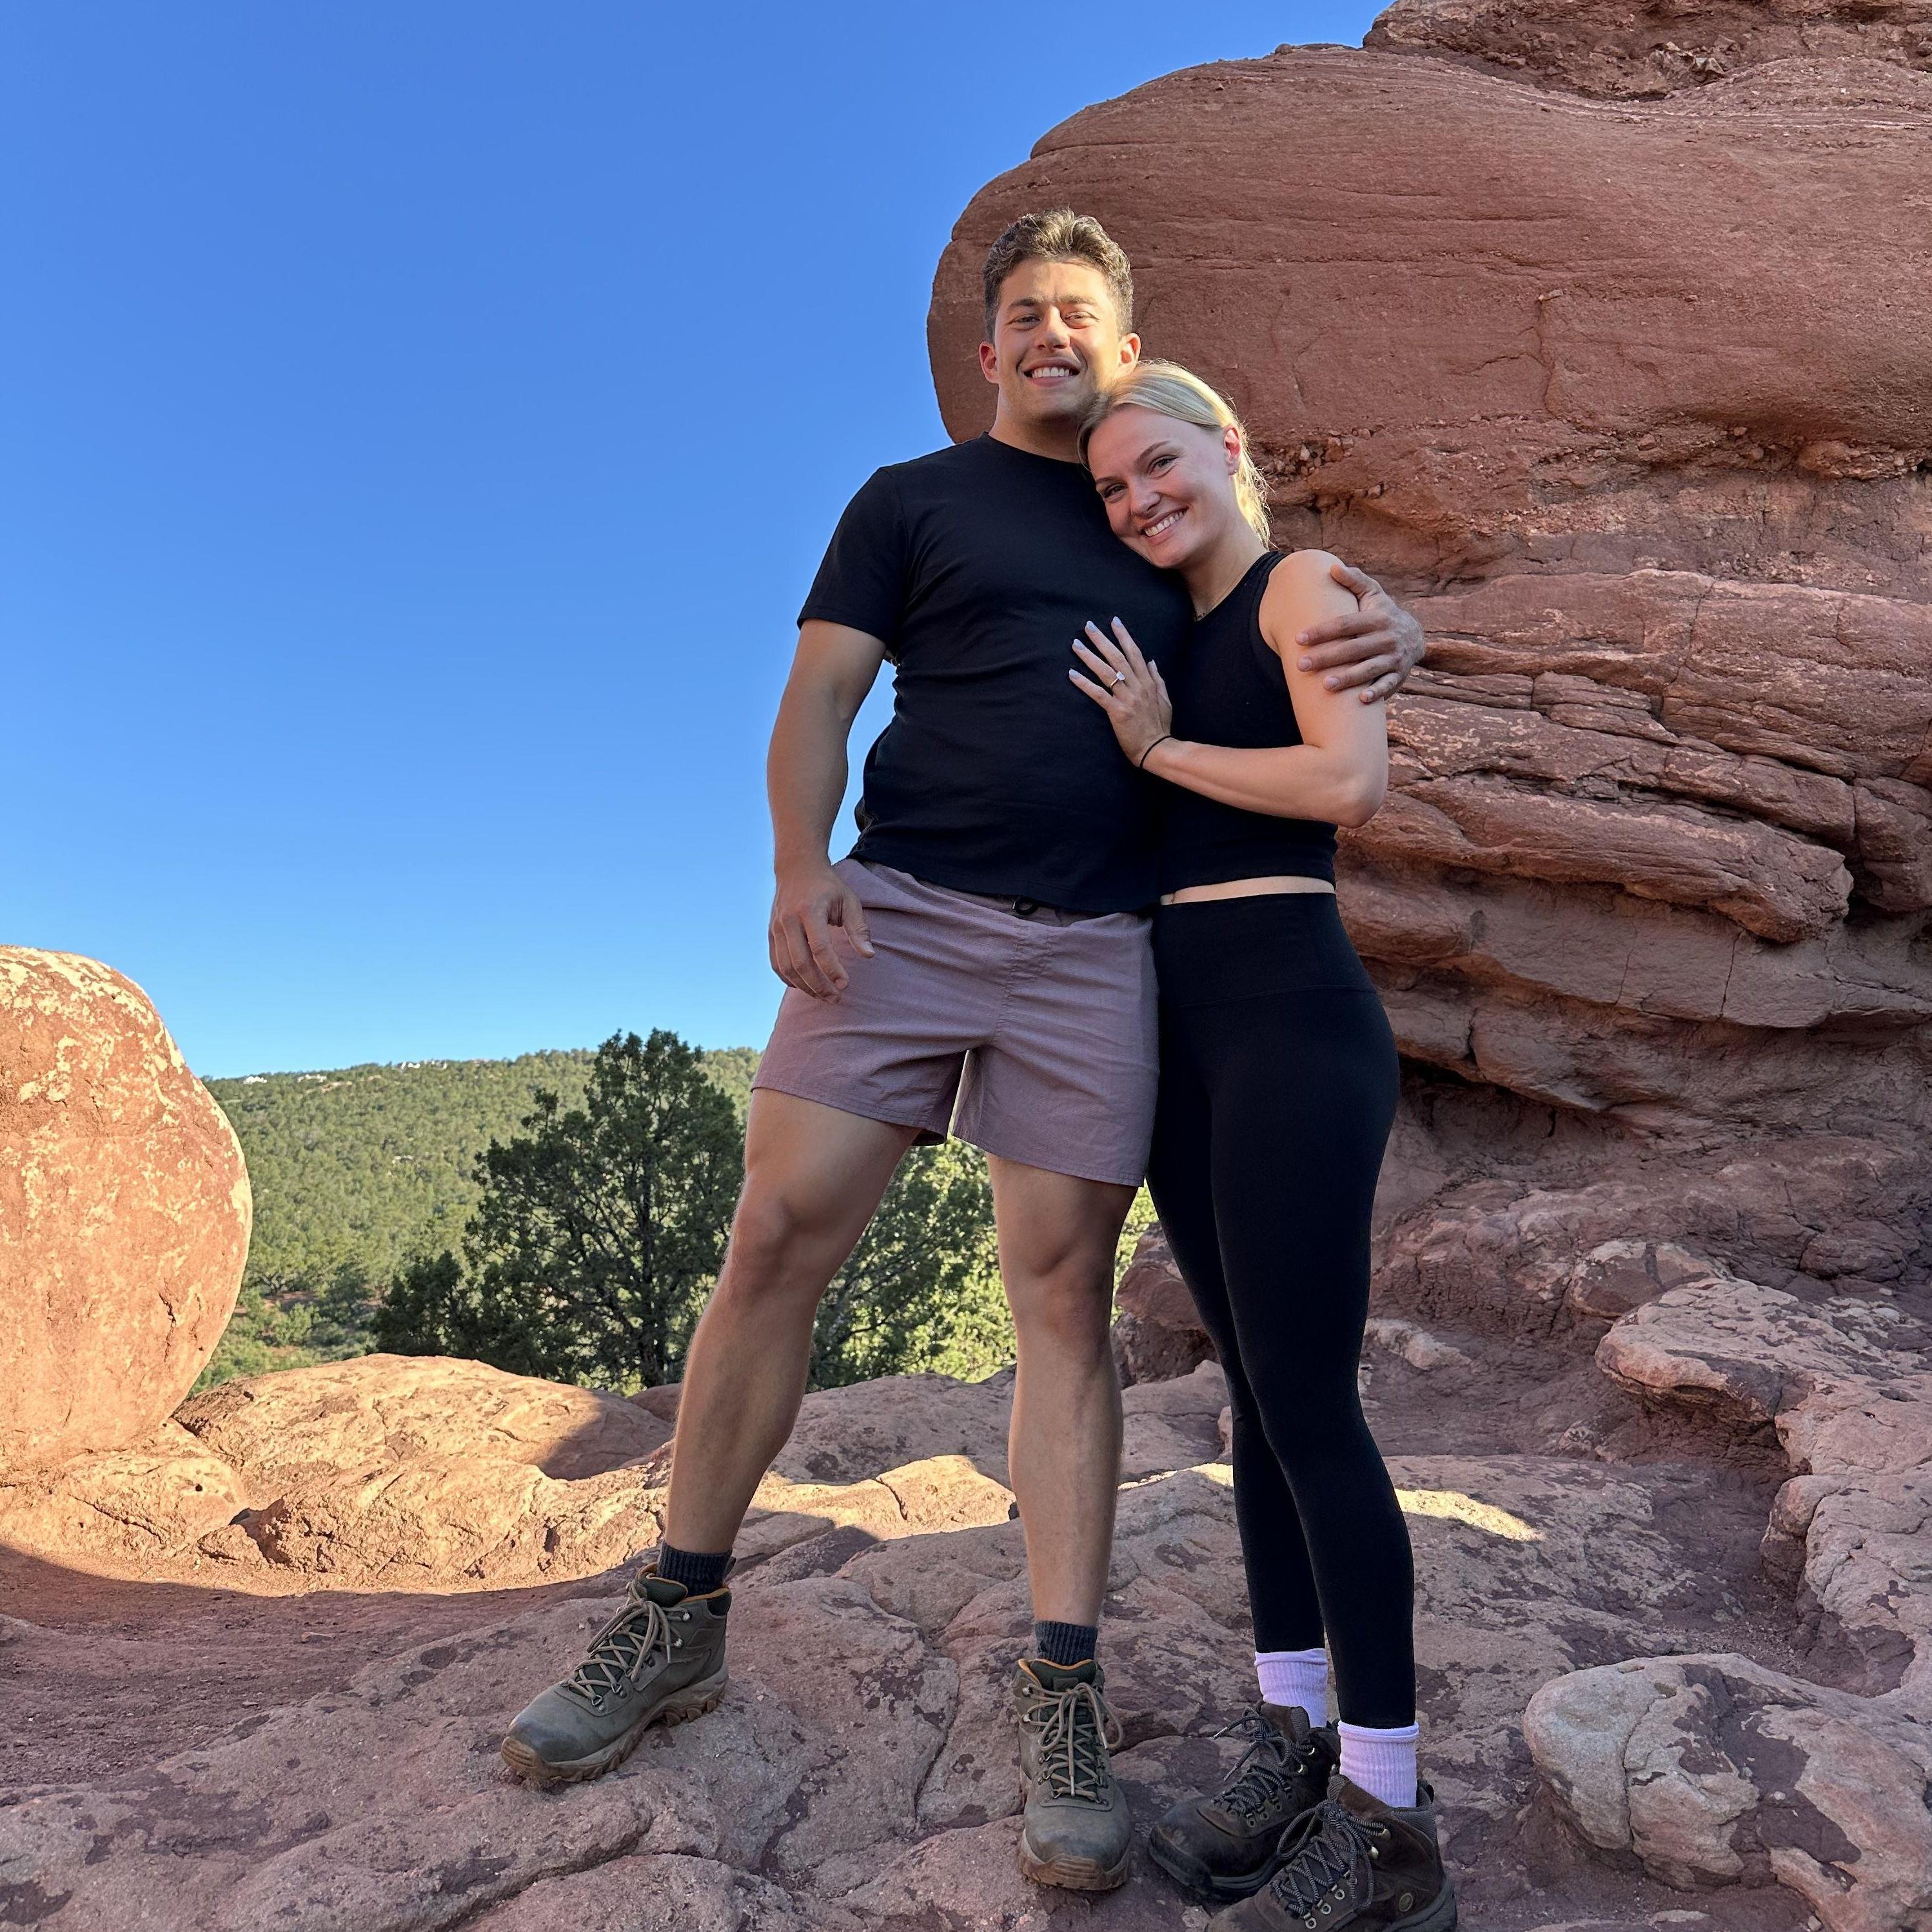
x=976 y=567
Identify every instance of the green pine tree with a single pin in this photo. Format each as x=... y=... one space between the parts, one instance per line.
x=599 y=1231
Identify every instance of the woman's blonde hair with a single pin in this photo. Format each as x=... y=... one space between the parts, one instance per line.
x=1169 y=390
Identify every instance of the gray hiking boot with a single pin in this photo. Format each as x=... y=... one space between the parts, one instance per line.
x=1075 y=1831
x=1354 y=1860
x=661 y=1658
x=1226 y=1844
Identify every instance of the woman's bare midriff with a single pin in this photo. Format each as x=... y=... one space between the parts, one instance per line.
x=1247 y=888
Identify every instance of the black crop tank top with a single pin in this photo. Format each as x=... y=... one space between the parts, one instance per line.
x=1230 y=690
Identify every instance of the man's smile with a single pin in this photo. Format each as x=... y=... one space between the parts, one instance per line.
x=1059 y=369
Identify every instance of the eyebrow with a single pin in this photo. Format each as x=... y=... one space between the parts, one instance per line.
x=1038 y=301
x=1147 y=456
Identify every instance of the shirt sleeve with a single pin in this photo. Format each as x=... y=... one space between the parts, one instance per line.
x=862 y=581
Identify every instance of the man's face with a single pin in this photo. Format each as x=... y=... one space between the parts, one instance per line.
x=1056 y=342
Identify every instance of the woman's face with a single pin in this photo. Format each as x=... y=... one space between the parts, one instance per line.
x=1169 y=486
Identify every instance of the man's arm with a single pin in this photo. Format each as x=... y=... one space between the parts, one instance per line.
x=1377 y=647
x=804 y=779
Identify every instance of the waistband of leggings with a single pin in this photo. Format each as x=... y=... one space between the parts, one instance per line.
x=1209 y=952
x=1260 y=911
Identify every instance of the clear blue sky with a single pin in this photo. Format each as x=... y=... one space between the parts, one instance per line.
x=425 y=419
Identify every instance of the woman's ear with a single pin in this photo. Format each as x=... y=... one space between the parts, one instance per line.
x=1231 y=448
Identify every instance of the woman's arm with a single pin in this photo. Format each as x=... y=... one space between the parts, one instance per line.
x=1337 y=775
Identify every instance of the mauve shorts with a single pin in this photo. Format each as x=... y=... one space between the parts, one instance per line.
x=1041 y=1026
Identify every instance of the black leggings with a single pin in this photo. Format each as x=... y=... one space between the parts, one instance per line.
x=1278 y=1080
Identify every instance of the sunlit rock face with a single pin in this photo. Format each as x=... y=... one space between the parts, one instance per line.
x=1599 y=334
x=124 y=1212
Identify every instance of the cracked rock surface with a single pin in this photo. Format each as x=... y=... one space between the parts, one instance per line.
x=205 y=1743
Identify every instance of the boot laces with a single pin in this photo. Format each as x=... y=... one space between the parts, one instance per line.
x=620 y=1650
x=1330 y=1855
x=1075 y=1733
x=1264 y=1770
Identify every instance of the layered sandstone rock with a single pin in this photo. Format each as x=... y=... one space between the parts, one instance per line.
x=124 y=1212
x=1648 y=909
x=1623 y=49
x=1852 y=1412
x=1655 y=851
x=1591 y=327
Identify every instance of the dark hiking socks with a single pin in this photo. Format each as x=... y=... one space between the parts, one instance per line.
x=1065 y=1644
x=699 y=1571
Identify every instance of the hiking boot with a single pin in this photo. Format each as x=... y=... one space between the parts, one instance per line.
x=1076 y=1832
x=1355 y=1861
x=1227 y=1846
x=661 y=1658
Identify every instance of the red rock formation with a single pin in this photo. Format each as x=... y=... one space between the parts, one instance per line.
x=124 y=1212
x=1598 y=332
x=1158 y=1334
x=1598 y=381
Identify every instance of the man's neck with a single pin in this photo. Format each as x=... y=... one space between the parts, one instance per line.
x=1210 y=578
x=1059 y=441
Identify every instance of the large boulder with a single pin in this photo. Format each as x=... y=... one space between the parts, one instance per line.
x=1657 y=852
x=1594 y=328
x=124 y=1212
x=393 y=1408
x=1708 y=1770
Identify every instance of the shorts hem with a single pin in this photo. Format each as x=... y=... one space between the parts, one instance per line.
x=928 y=1135
x=1053 y=1163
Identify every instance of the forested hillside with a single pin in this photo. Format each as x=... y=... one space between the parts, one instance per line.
x=359 y=1171
x=368 y=1167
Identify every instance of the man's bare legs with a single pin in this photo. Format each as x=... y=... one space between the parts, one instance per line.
x=813 y=1177
x=1057 y=1237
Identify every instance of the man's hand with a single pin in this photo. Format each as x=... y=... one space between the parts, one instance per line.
x=811 y=902
x=1376 y=648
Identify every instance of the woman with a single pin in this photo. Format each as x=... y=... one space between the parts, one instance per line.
x=1278 y=1089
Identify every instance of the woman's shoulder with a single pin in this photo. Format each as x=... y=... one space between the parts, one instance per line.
x=1299 y=582
x=1299 y=569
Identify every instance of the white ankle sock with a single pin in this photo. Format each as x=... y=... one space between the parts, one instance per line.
x=1295 y=1677
x=1382 y=1762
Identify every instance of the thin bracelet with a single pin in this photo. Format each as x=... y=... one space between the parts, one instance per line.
x=1140 y=763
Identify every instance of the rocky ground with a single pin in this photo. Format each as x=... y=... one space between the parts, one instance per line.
x=1597 y=328
x=291 y=1719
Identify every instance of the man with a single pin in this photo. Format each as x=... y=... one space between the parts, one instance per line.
x=981 y=959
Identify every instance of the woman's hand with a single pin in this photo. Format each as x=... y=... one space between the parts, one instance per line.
x=1126 y=687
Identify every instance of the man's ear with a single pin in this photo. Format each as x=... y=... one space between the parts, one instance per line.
x=989 y=362
x=1130 y=351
